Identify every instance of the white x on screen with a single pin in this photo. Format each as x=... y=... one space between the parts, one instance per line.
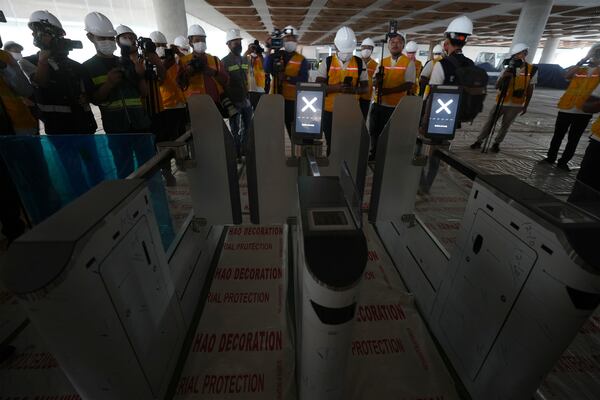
x=309 y=110
x=442 y=117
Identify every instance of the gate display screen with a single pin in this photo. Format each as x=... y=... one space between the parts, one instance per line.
x=309 y=111
x=443 y=113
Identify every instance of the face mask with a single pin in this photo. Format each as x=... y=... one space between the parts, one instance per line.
x=199 y=47
x=125 y=42
x=366 y=53
x=411 y=56
x=16 y=56
x=106 y=47
x=344 y=56
x=160 y=51
x=237 y=50
x=290 y=46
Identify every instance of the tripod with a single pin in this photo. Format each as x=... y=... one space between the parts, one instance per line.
x=498 y=109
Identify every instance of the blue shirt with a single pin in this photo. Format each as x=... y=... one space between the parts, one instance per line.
x=302 y=74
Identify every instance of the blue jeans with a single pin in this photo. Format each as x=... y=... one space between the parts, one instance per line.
x=238 y=131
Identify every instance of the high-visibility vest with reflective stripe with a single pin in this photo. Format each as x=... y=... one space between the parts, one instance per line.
x=292 y=70
x=580 y=88
x=418 y=69
x=371 y=68
x=337 y=75
x=520 y=82
x=259 y=72
x=393 y=76
x=196 y=84
x=596 y=130
x=20 y=117
x=170 y=92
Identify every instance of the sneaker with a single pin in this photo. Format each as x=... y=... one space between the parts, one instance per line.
x=495 y=148
x=476 y=145
x=564 y=166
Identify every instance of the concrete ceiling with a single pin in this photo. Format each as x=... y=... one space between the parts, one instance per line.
x=576 y=21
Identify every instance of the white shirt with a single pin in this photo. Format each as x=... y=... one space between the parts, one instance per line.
x=428 y=68
x=576 y=110
x=322 y=72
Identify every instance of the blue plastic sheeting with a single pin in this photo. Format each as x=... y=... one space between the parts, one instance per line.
x=551 y=76
x=51 y=171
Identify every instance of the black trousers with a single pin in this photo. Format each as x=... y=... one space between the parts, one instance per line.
x=169 y=124
x=588 y=177
x=380 y=116
x=575 y=124
x=10 y=206
x=289 y=112
x=364 y=107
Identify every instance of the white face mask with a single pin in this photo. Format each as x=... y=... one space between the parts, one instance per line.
x=290 y=46
x=16 y=56
x=125 y=42
x=199 y=47
x=160 y=51
x=344 y=56
x=366 y=53
x=106 y=47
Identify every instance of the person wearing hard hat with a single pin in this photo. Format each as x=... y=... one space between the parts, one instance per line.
x=583 y=78
x=200 y=72
x=286 y=68
x=237 y=88
x=343 y=73
x=170 y=123
x=118 y=90
x=15 y=49
x=395 y=78
x=257 y=78
x=366 y=51
x=182 y=44
x=520 y=77
x=410 y=50
x=437 y=55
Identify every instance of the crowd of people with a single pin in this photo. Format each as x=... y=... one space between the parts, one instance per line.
x=144 y=89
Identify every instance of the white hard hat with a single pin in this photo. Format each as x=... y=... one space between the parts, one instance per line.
x=291 y=29
x=182 y=42
x=44 y=16
x=345 y=40
x=10 y=44
x=368 y=42
x=517 y=48
x=232 y=34
x=462 y=24
x=411 y=47
x=196 y=30
x=158 y=37
x=121 y=29
x=438 y=49
x=98 y=24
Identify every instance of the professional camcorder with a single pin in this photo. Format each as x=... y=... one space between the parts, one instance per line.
x=276 y=39
x=146 y=45
x=59 y=44
x=513 y=63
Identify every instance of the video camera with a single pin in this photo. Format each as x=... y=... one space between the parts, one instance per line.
x=146 y=45
x=392 y=29
x=197 y=64
x=59 y=44
x=513 y=63
x=276 y=39
x=259 y=50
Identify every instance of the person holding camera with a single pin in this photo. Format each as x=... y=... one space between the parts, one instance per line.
x=583 y=78
x=395 y=77
x=287 y=67
x=256 y=73
x=343 y=73
x=237 y=89
x=200 y=72
x=515 y=89
x=119 y=87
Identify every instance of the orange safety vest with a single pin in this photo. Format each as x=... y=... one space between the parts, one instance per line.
x=580 y=88
x=371 y=68
x=258 y=71
x=20 y=116
x=418 y=69
x=170 y=92
x=336 y=76
x=196 y=85
x=596 y=130
x=520 y=82
x=292 y=70
x=393 y=76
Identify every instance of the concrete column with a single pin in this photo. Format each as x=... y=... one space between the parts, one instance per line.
x=532 y=23
x=170 y=18
x=550 y=50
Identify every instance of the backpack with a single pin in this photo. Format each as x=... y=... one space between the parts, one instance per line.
x=473 y=81
x=358 y=60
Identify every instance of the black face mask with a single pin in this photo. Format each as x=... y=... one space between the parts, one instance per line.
x=237 y=50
